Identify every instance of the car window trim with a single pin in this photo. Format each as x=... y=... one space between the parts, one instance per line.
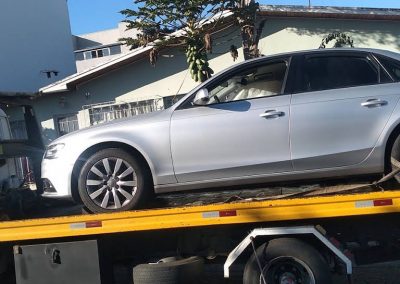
x=376 y=58
x=246 y=65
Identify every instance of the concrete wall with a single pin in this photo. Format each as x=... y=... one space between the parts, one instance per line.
x=141 y=81
x=283 y=35
x=83 y=65
x=110 y=36
x=35 y=36
x=104 y=37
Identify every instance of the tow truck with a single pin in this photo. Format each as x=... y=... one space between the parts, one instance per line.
x=295 y=237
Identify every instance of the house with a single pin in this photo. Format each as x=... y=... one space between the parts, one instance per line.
x=127 y=84
x=95 y=48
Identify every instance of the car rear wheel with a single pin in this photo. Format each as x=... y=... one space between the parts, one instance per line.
x=395 y=157
x=112 y=180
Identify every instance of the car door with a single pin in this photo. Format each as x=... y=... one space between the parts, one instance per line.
x=242 y=131
x=339 y=109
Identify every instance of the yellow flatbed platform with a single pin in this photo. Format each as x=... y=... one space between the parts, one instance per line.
x=302 y=208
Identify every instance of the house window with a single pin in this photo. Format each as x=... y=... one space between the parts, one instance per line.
x=18 y=129
x=79 y=56
x=67 y=124
x=95 y=53
x=116 y=49
x=87 y=55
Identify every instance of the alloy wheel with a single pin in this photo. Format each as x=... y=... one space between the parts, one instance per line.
x=111 y=183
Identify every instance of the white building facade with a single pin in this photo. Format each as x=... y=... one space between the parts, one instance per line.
x=36 y=45
x=95 y=48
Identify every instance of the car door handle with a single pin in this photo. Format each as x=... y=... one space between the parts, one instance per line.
x=272 y=114
x=374 y=103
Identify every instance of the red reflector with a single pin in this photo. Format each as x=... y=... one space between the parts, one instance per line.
x=93 y=224
x=227 y=213
x=335 y=242
x=383 y=202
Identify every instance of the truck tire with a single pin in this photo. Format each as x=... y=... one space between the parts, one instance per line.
x=188 y=270
x=112 y=180
x=287 y=259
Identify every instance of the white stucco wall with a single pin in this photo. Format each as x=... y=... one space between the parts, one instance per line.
x=35 y=36
x=83 y=65
x=97 y=38
x=141 y=81
x=290 y=34
x=104 y=37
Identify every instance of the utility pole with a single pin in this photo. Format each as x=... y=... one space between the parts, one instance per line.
x=309 y=3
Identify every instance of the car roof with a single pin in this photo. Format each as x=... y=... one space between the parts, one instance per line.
x=341 y=49
x=324 y=51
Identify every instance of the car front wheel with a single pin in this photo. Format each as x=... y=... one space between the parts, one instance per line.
x=112 y=180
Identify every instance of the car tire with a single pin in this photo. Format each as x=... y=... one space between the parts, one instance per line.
x=287 y=259
x=395 y=157
x=112 y=180
x=188 y=270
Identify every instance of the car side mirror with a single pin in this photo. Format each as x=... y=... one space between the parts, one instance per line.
x=201 y=98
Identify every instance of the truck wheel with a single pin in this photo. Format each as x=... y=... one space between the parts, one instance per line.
x=112 y=180
x=287 y=260
x=188 y=270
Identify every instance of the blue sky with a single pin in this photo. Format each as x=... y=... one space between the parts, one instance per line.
x=90 y=16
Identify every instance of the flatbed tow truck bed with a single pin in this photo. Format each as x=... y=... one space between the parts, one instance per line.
x=237 y=212
x=213 y=211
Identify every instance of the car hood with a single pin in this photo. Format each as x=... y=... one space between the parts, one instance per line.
x=104 y=127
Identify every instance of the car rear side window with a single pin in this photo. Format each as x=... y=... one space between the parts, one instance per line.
x=332 y=72
x=391 y=65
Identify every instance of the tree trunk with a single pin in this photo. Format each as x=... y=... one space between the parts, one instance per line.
x=250 y=39
x=250 y=34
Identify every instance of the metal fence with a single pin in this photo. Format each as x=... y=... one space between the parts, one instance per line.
x=101 y=113
x=68 y=124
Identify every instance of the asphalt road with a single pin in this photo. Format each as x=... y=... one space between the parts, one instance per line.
x=383 y=273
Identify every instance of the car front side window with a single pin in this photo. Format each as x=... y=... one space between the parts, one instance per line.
x=262 y=81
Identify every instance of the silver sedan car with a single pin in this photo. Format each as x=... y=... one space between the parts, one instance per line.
x=294 y=116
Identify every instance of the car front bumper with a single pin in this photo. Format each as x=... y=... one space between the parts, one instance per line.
x=56 y=176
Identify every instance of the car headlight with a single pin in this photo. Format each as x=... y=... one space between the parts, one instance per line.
x=53 y=151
